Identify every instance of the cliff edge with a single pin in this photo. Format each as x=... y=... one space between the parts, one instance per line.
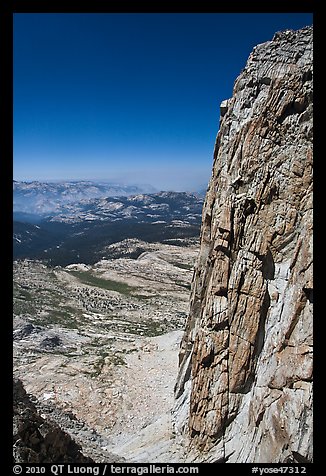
x=37 y=440
x=244 y=389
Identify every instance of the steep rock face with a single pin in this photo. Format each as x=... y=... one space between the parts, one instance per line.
x=244 y=389
x=36 y=440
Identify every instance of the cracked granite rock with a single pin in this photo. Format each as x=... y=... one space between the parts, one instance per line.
x=244 y=389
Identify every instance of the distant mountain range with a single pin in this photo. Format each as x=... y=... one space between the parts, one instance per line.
x=46 y=198
x=78 y=229
x=162 y=206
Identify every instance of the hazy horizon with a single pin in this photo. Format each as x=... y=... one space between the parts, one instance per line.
x=113 y=181
x=130 y=97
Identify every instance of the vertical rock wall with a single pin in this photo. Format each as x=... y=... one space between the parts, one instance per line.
x=244 y=389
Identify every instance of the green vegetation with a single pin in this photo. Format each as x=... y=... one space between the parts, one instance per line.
x=179 y=283
x=148 y=327
x=182 y=265
x=86 y=242
x=154 y=328
x=22 y=294
x=145 y=297
x=86 y=277
x=106 y=357
x=22 y=302
x=98 y=366
x=65 y=317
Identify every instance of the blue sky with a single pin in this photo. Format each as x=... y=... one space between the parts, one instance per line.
x=130 y=98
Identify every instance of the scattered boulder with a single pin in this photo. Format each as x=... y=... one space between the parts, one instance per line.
x=25 y=331
x=51 y=342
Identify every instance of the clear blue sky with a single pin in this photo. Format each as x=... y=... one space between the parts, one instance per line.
x=128 y=97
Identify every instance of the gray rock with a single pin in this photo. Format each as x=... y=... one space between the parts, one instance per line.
x=51 y=342
x=224 y=107
x=244 y=390
x=25 y=331
x=37 y=440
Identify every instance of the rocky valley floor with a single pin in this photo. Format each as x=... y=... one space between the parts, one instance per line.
x=97 y=347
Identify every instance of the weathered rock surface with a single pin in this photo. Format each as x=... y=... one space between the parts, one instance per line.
x=244 y=390
x=37 y=440
x=97 y=346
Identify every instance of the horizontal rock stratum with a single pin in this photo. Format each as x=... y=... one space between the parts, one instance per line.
x=244 y=389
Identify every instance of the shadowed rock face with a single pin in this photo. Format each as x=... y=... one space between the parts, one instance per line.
x=37 y=440
x=244 y=389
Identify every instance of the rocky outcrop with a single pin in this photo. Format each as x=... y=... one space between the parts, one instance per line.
x=244 y=390
x=37 y=440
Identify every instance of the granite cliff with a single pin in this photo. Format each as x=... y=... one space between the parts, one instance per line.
x=244 y=389
x=96 y=344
